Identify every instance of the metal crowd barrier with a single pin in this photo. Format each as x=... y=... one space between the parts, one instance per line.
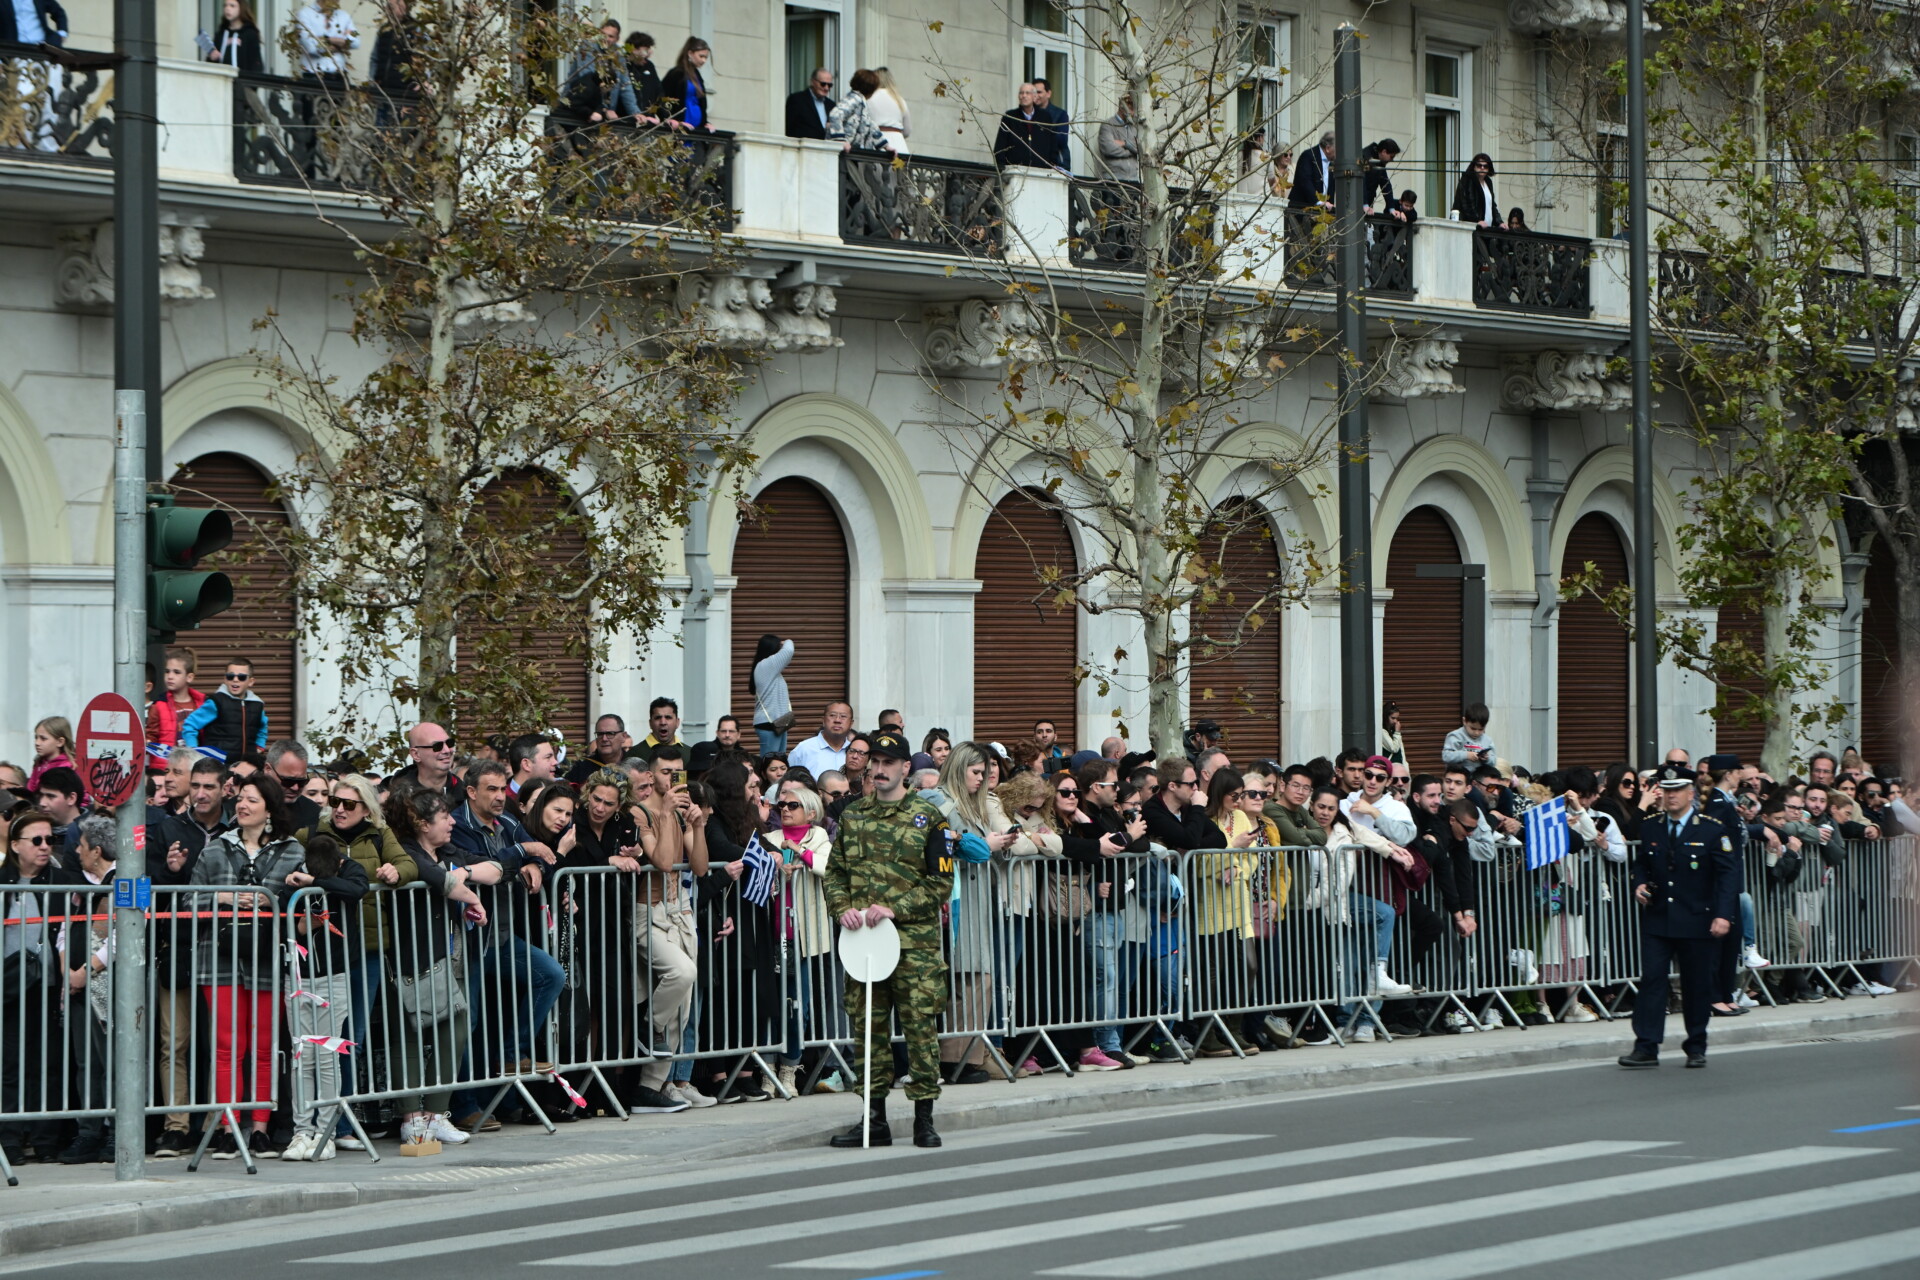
x=1854 y=917
x=56 y=1061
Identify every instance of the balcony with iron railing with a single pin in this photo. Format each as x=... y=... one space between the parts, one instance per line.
x=1695 y=293
x=866 y=213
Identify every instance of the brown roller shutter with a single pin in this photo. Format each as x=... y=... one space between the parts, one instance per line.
x=791 y=562
x=1880 y=664
x=1240 y=686
x=1594 y=653
x=1025 y=656
x=260 y=625
x=1421 y=666
x=552 y=640
x=1742 y=739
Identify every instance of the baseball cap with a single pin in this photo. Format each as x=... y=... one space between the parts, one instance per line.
x=887 y=745
x=1380 y=762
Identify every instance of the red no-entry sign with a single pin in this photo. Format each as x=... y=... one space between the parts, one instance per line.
x=112 y=748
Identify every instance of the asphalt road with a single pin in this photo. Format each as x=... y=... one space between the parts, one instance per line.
x=1787 y=1162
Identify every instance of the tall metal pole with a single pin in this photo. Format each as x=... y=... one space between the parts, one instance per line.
x=130 y=1035
x=1646 y=646
x=1356 y=495
x=136 y=455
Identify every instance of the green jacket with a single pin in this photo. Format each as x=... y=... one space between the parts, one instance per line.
x=896 y=855
x=1297 y=827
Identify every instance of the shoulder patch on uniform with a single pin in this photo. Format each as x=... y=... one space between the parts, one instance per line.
x=920 y=820
x=1726 y=844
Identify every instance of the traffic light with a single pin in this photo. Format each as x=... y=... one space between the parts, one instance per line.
x=179 y=596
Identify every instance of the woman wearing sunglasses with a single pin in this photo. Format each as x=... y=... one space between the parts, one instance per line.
x=27 y=994
x=351 y=815
x=800 y=836
x=973 y=812
x=1223 y=903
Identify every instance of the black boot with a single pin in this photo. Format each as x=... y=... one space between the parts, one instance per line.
x=923 y=1134
x=879 y=1135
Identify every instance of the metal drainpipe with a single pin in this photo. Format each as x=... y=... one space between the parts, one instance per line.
x=1543 y=496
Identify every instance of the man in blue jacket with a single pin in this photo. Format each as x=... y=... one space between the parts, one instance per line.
x=1686 y=880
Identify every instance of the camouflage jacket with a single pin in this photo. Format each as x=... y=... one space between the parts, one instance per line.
x=897 y=855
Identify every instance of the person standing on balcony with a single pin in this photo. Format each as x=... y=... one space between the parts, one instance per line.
x=1473 y=198
x=1376 y=181
x=1119 y=143
x=684 y=93
x=850 y=120
x=640 y=70
x=238 y=44
x=33 y=22
x=808 y=109
x=1057 y=122
x=326 y=34
x=1313 y=178
x=1021 y=138
x=888 y=111
x=391 y=64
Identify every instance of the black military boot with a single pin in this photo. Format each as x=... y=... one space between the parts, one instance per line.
x=879 y=1135
x=923 y=1134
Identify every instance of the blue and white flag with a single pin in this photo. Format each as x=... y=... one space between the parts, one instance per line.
x=1546 y=825
x=763 y=868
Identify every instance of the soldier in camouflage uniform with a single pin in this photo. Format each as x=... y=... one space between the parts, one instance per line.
x=894 y=861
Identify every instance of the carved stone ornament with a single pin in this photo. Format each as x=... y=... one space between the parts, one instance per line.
x=1422 y=367
x=978 y=334
x=480 y=306
x=83 y=275
x=802 y=318
x=1906 y=402
x=1562 y=380
x=1585 y=17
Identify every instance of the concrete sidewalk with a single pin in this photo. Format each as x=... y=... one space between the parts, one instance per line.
x=56 y=1206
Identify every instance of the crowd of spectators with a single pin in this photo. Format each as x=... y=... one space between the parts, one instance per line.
x=483 y=826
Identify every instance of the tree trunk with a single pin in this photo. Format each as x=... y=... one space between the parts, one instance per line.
x=1778 y=748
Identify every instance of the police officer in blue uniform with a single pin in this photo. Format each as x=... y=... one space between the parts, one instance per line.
x=1717 y=802
x=1686 y=879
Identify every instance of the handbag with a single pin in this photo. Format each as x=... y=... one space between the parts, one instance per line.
x=1067 y=896
x=435 y=996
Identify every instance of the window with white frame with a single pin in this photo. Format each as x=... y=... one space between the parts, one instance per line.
x=1047 y=51
x=1447 y=79
x=1266 y=51
x=819 y=34
x=1906 y=172
x=1610 y=166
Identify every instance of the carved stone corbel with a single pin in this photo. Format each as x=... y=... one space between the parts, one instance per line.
x=1419 y=368
x=1562 y=380
x=802 y=318
x=83 y=273
x=731 y=309
x=978 y=334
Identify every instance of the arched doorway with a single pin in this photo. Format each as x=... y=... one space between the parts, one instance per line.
x=1594 y=654
x=1421 y=668
x=1239 y=686
x=261 y=625
x=1025 y=654
x=794 y=578
x=550 y=638
x=1880 y=706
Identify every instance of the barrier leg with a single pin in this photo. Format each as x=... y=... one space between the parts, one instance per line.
x=768 y=1074
x=353 y=1123
x=526 y=1095
x=1507 y=1010
x=606 y=1091
x=13 y=1179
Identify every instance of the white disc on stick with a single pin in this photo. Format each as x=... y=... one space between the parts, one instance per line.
x=870 y=954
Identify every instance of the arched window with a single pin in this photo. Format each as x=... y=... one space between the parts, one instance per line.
x=1594 y=694
x=793 y=571
x=1026 y=651
x=1743 y=739
x=261 y=625
x=1421 y=667
x=1243 y=681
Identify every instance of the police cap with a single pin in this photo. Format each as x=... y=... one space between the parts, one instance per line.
x=1672 y=777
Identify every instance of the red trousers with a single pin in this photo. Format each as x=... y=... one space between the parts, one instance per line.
x=242 y=1045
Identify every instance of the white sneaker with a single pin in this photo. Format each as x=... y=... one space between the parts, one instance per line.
x=322 y=1151
x=1858 y=989
x=1522 y=960
x=1461 y=1023
x=350 y=1143
x=830 y=1083
x=1387 y=986
x=1741 y=1000
x=1752 y=958
x=1580 y=1013
x=1491 y=1020
x=1362 y=1034
x=443 y=1129
x=1879 y=989
x=683 y=1091
x=301 y=1148
x=413 y=1131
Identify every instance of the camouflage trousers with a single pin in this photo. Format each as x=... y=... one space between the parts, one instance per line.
x=916 y=994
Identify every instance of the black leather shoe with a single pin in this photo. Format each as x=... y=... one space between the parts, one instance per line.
x=87 y=1151
x=1696 y=1059
x=1639 y=1060
x=880 y=1134
x=923 y=1134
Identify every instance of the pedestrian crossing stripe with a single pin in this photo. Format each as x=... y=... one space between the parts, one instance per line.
x=1260 y=1199
x=1540 y=1251
x=786 y=1233
x=1841 y=1258
x=1241 y=1249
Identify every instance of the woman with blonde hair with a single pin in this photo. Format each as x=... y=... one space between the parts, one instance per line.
x=800 y=836
x=52 y=749
x=887 y=109
x=974 y=814
x=1223 y=909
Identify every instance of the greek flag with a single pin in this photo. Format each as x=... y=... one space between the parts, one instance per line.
x=762 y=869
x=1546 y=825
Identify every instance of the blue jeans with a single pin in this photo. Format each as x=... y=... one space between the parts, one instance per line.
x=770 y=741
x=1746 y=920
x=1369 y=915
x=682 y=1070
x=1103 y=940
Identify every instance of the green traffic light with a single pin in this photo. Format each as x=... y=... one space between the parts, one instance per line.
x=181 y=601
x=179 y=596
x=179 y=537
